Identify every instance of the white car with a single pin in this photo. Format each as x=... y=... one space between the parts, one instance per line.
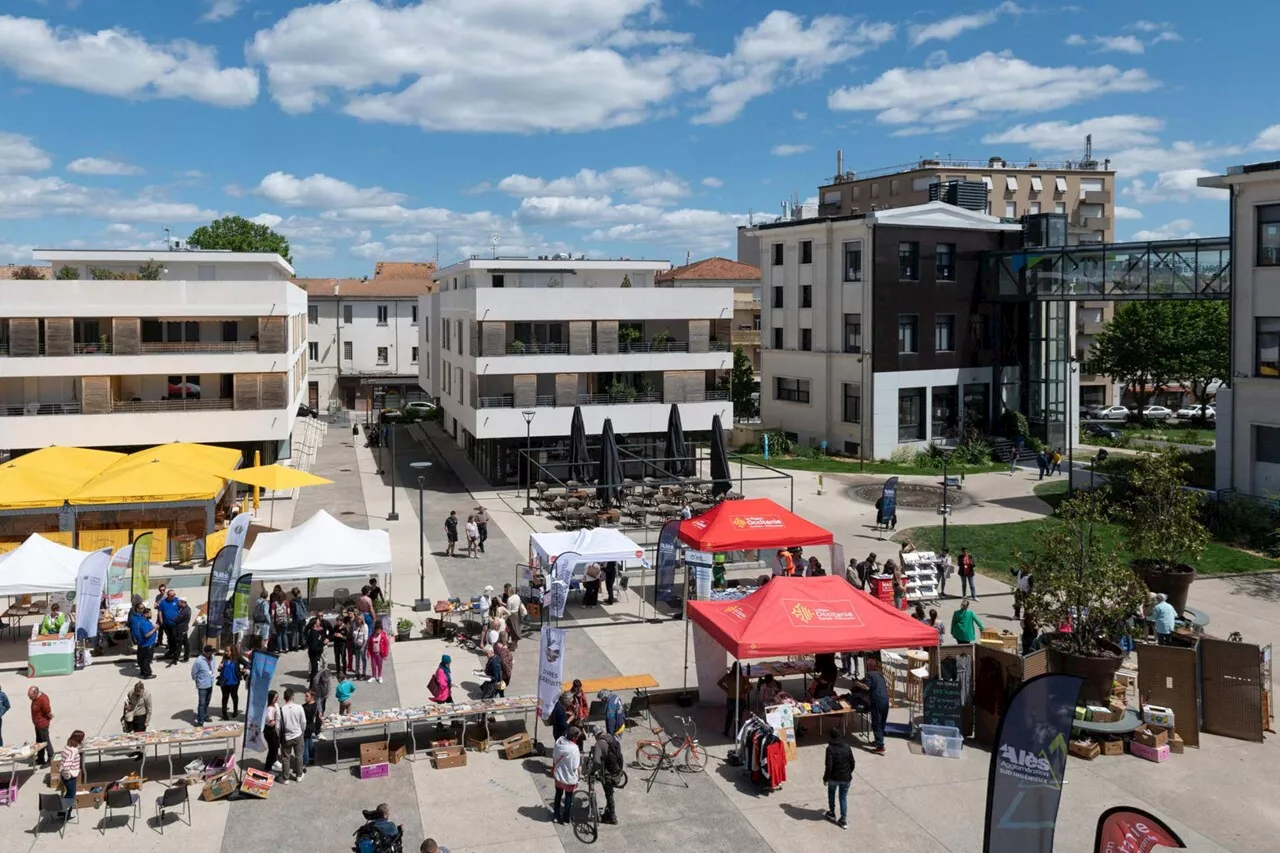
x=1111 y=413
x=1188 y=412
x=420 y=406
x=1157 y=413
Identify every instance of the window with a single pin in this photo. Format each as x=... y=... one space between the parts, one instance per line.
x=313 y=314
x=944 y=333
x=908 y=333
x=1267 y=445
x=777 y=254
x=755 y=322
x=908 y=261
x=459 y=332
x=911 y=414
x=944 y=417
x=1090 y=185
x=791 y=390
x=857 y=192
x=346 y=314
x=413 y=355
x=1034 y=208
x=1036 y=185
x=853 y=333
x=382 y=355
x=184 y=387
x=986 y=179
x=853 y=261
x=382 y=315
x=1010 y=183
x=946 y=262
x=1269 y=235
x=852 y=448
x=499 y=281
x=978 y=331
x=413 y=313
x=346 y=350
x=777 y=338
x=1011 y=210
x=875 y=191
x=1060 y=184
x=806 y=340
x=893 y=187
x=852 y=404
x=806 y=296
x=977 y=406
x=313 y=350
x=777 y=297
x=806 y=251
x=1268 y=334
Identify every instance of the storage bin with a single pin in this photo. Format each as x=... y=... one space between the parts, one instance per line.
x=941 y=741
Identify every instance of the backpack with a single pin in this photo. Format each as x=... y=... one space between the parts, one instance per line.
x=613 y=761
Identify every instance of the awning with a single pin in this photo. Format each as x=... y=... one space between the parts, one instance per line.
x=162 y=474
x=748 y=524
x=47 y=477
x=1011 y=183
x=320 y=547
x=806 y=616
x=39 y=566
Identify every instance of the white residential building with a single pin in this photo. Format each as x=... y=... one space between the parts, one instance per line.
x=213 y=351
x=1248 y=413
x=507 y=337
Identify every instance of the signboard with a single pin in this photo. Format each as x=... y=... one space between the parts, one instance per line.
x=943 y=703
x=240 y=603
x=118 y=577
x=90 y=581
x=664 y=576
x=262 y=670
x=142 y=565
x=1125 y=829
x=219 y=588
x=888 y=500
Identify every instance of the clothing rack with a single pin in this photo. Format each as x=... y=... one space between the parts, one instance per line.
x=763 y=753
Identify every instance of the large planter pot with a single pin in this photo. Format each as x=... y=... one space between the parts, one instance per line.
x=1098 y=672
x=1175 y=583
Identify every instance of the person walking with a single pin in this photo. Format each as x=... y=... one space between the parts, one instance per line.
x=1013 y=460
x=229 y=681
x=494 y=684
x=379 y=650
x=566 y=763
x=69 y=766
x=271 y=732
x=359 y=647
x=963 y=622
x=168 y=613
x=4 y=709
x=966 y=575
x=182 y=631
x=311 y=710
x=1056 y=459
x=293 y=722
x=878 y=693
x=473 y=537
x=315 y=638
x=202 y=675
x=451 y=533
x=41 y=719
x=837 y=774
x=1042 y=462
x=137 y=709
x=145 y=635
x=482 y=527
x=440 y=688
x=1022 y=582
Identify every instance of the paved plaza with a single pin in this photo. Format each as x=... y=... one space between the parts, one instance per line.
x=1220 y=797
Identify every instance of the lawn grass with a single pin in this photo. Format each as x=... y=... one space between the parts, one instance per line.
x=842 y=465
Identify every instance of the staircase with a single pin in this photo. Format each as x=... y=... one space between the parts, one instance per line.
x=1000 y=450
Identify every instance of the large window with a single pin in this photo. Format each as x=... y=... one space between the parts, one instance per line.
x=978 y=333
x=313 y=314
x=944 y=333
x=806 y=340
x=777 y=338
x=853 y=333
x=806 y=251
x=911 y=424
x=346 y=350
x=777 y=297
x=1266 y=445
x=777 y=254
x=908 y=261
x=853 y=261
x=806 y=296
x=852 y=404
x=313 y=350
x=1269 y=235
x=908 y=333
x=977 y=406
x=946 y=262
x=1268 y=333
x=791 y=390
x=382 y=355
x=945 y=413
x=346 y=314
x=382 y=315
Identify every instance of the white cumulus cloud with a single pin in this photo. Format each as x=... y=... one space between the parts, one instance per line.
x=1110 y=133
x=321 y=191
x=789 y=150
x=949 y=28
x=19 y=155
x=1178 y=229
x=100 y=166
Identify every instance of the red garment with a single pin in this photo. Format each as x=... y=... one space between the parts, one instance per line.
x=41 y=713
x=776 y=757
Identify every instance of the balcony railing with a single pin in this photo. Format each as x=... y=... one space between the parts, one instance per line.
x=189 y=404
x=96 y=348
x=624 y=348
x=165 y=347
x=13 y=410
x=507 y=401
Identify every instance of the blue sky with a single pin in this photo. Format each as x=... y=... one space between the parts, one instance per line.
x=369 y=130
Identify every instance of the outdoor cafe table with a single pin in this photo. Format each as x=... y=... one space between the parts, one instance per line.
x=412 y=717
x=215 y=733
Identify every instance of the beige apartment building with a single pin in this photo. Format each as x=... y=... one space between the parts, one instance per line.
x=744 y=329
x=1082 y=190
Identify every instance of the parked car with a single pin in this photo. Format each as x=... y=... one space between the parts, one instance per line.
x=1157 y=413
x=1103 y=431
x=1111 y=413
x=305 y=411
x=420 y=406
x=1206 y=412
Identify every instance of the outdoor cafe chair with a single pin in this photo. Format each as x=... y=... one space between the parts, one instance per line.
x=56 y=807
x=121 y=798
x=173 y=800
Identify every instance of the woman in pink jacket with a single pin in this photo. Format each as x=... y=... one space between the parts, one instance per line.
x=379 y=647
x=440 y=687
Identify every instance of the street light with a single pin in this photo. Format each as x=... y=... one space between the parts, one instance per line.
x=393 y=515
x=862 y=423
x=528 y=459
x=1072 y=364
x=945 y=509
x=421 y=604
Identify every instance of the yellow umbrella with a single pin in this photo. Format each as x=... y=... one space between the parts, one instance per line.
x=276 y=477
x=47 y=477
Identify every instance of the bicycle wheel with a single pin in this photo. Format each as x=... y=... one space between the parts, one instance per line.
x=586 y=826
x=620 y=781
x=693 y=758
x=648 y=754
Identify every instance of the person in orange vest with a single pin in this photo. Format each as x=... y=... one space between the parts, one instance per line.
x=787 y=562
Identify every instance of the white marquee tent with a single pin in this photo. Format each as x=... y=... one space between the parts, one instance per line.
x=598 y=545
x=39 y=565
x=320 y=547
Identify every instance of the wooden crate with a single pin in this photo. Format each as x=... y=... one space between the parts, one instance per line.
x=1088 y=750
x=517 y=746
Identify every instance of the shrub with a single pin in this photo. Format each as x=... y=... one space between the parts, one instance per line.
x=1013 y=424
x=927 y=459
x=903 y=455
x=974 y=451
x=805 y=451
x=1239 y=520
x=750 y=449
x=779 y=443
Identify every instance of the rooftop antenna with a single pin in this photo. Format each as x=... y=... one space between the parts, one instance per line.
x=688 y=257
x=168 y=241
x=494 y=240
x=437 y=251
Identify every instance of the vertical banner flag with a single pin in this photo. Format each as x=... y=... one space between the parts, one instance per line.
x=700 y=562
x=142 y=565
x=561 y=575
x=664 y=574
x=118 y=577
x=91 y=580
x=219 y=589
x=255 y=714
x=550 y=669
x=237 y=530
x=1124 y=829
x=888 y=501
x=1025 y=782
x=240 y=603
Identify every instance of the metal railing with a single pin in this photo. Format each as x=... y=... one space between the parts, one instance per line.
x=188 y=404
x=624 y=348
x=95 y=348
x=507 y=401
x=13 y=410
x=180 y=347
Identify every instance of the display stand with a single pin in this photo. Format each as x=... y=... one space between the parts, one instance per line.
x=51 y=654
x=920 y=568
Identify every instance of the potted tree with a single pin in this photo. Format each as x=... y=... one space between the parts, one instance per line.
x=628 y=335
x=403 y=627
x=1081 y=593
x=1163 y=527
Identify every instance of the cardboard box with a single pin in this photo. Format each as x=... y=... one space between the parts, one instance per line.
x=1010 y=641
x=1086 y=749
x=1175 y=744
x=990 y=634
x=375 y=771
x=517 y=746
x=218 y=765
x=1151 y=753
x=398 y=754
x=1158 y=715
x=9 y=793
x=256 y=783
x=1118 y=709
x=1113 y=746
x=377 y=752
x=222 y=785
x=448 y=756
x=89 y=799
x=1152 y=736
x=1098 y=713
x=479 y=742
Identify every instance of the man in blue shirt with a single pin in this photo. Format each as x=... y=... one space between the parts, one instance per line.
x=1163 y=615
x=878 y=694
x=202 y=675
x=168 y=607
x=144 y=635
x=615 y=715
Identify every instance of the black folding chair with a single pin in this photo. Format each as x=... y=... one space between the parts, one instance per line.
x=121 y=798
x=62 y=810
x=173 y=799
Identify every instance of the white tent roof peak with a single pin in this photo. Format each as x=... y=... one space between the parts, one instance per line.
x=320 y=547
x=40 y=565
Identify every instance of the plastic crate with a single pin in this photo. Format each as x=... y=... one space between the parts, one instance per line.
x=941 y=741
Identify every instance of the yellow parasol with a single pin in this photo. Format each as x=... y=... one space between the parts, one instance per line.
x=276 y=478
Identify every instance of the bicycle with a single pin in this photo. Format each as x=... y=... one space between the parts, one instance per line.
x=587 y=829
x=656 y=755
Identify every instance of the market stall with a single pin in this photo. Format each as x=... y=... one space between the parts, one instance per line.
x=39 y=566
x=479 y=710
x=320 y=547
x=563 y=557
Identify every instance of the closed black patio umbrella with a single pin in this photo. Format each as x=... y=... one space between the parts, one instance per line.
x=721 y=479
x=579 y=458
x=609 y=479
x=678 y=463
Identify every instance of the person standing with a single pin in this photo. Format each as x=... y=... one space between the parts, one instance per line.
x=946 y=565
x=137 y=709
x=1042 y=462
x=202 y=675
x=182 y=631
x=338 y=638
x=311 y=710
x=1163 y=617
x=440 y=688
x=321 y=687
x=375 y=590
x=615 y=714
x=359 y=647
x=1013 y=459
x=229 y=681
x=161 y=592
x=963 y=622
x=1022 y=581
x=379 y=649
x=966 y=575
x=837 y=774
x=41 y=719
x=494 y=684
x=314 y=638
x=262 y=619
x=1056 y=459
x=899 y=584
x=69 y=768
x=4 y=709
x=473 y=537
x=566 y=762
x=515 y=611
x=168 y=613
x=271 y=731
x=558 y=719
x=736 y=686
x=607 y=763
x=934 y=623
x=866 y=569
x=451 y=533
x=293 y=722
x=281 y=619
x=878 y=694
x=364 y=605
x=610 y=578
x=345 y=690
x=482 y=527
x=591 y=585
x=145 y=635
x=297 y=619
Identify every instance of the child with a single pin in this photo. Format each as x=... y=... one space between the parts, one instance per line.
x=346 y=687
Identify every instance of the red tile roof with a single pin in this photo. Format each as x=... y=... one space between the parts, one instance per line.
x=415 y=269
x=711 y=269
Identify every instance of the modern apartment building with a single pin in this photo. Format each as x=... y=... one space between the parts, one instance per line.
x=743 y=330
x=512 y=345
x=1082 y=190
x=1248 y=413
x=362 y=339
x=198 y=346
x=875 y=334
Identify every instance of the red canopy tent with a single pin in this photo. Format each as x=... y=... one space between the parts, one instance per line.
x=750 y=524
x=799 y=616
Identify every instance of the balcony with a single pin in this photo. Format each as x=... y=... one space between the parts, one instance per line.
x=198 y=347
x=746 y=337
x=1089 y=327
x=1097 y=197
x=1095 y=223
x=118 y=407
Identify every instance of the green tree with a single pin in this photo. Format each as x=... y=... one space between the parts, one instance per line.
x=67 y=273
x=1162 y=516
x=742 y=386
x=237 y=234
x=1141 y=347
x=151 y=271
x=1206 y=354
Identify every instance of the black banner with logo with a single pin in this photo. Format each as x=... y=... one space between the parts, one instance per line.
x=664 y=572
x=1027 y=765
x=219 y=586
x=888 y=501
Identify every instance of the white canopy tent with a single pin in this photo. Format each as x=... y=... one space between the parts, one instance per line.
x=320 y=547
x=598 y=545
x=38 y=566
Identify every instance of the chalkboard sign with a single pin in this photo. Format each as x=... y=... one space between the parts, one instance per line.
x=943 y=703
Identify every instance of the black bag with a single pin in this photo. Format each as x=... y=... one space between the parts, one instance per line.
x=613 y=761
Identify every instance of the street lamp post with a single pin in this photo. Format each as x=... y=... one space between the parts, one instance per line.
x=393 y=515
x=945 y=509
x=421 y=604
x=1072 y=366
x=528 y=460
x=862 y=423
